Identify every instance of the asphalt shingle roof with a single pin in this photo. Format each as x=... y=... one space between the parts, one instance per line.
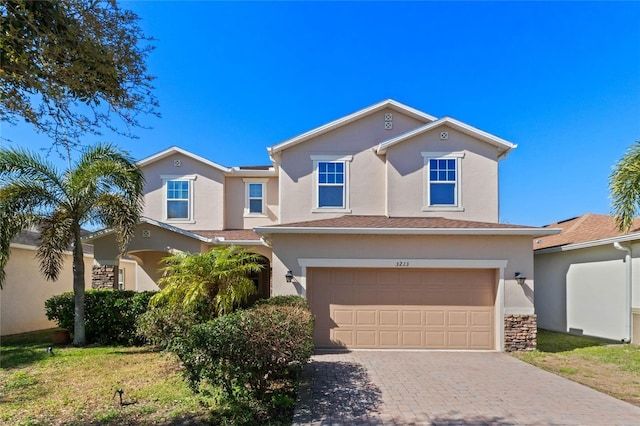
x=354 y=221
x=582 y=229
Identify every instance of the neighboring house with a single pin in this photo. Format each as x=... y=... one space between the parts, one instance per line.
x=386 y=220
x=25 y=289
x=588 y=278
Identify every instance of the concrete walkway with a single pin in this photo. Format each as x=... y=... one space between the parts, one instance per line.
x=447 y=388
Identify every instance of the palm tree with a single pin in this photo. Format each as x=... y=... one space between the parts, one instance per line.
x=624 y=185
x=103 y=188
x=213 y=282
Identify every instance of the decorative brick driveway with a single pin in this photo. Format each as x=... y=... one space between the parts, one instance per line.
x=444 y=388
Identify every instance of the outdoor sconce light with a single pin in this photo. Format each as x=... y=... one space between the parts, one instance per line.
x=520 y=278
x=289 y=276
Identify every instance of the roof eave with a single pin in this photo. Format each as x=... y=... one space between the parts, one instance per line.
x=503 y=145
x=533 y=232
x=272 y=172
x=177 y=150
x=108 y=231
x=223 y=241
x=588 y=244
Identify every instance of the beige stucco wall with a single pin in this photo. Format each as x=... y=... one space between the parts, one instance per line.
x=366 y=170
x=516 y=250
x=141 y=270
x=106 y=250
x=25 y=290
x=235 y=201
x=207 y=195
x=478 y=176
x=584 y=291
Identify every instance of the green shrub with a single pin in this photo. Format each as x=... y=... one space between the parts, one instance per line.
x=249 y=353
x=110 y=315
x=289 y=300
x=163 y=326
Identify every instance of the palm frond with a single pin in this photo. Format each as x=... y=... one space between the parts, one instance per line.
x=118 y=212
x=624 y=186
x=56 y=236
x=217 y=278
x=18 y=163
x=12 y=224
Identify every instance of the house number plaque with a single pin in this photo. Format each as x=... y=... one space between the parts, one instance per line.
x=402 y=264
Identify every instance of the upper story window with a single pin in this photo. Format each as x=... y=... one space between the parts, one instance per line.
x=331 y=183
x=178 y=197
x=255 y=197
x=442 y=181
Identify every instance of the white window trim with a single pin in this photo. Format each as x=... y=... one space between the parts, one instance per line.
x=190 y=179
x=425 y=179
x=263 y=182
x=346 y=159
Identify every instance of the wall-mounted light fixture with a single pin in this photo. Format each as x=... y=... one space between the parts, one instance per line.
x=520 y=278
x=289 y=276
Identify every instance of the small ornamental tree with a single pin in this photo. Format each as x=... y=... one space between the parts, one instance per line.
x=212 y=283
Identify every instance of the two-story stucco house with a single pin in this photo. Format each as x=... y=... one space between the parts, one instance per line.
x=386 y=220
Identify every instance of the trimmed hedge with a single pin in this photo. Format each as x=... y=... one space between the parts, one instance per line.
x=110 y=315
x=250 y=352
x=289 y=300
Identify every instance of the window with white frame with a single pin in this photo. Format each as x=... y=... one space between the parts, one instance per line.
x=178 y=191
x=331 y=178
x=255 y=197
x=442 y=180
x=120 y=279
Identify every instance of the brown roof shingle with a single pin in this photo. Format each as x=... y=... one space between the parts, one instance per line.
x=581 y=229
x=354 y=221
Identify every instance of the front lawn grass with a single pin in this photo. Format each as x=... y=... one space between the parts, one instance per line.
x=77 y=386
x=603 y=365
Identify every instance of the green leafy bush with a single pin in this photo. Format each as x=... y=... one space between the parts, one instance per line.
x=110 y=315
x=289 y=300
x=249 y=353
x=163 y=326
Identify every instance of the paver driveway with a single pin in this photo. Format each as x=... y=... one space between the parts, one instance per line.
x=424 y=388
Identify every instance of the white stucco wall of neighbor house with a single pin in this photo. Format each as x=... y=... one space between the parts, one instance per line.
x=25 y=290
x=515 y=251
x=583 y=291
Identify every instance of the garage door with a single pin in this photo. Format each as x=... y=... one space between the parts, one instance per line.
x=402 y=308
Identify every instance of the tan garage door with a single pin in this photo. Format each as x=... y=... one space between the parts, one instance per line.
x=403 y=308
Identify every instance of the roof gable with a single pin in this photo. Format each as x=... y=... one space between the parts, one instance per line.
x=503 y=146
x=389 y=103
x=176 y=150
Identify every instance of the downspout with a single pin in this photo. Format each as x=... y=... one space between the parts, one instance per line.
x=627 y=260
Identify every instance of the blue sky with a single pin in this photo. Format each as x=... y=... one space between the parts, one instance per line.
x=562 y=80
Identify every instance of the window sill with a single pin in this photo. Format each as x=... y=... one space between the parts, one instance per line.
x=442 y=209
x=179 y=221
x=329 y=210
x=255 y=215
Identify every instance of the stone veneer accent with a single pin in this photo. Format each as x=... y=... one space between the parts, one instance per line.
x=520 y=332
x=104 y=277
